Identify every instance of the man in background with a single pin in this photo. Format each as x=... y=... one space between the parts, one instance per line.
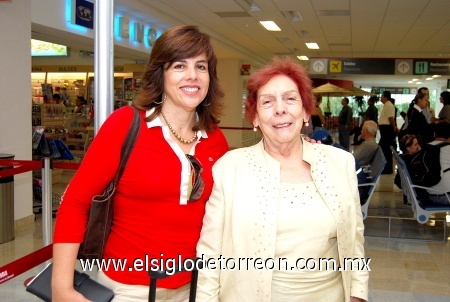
x=442 y=135
x=388 y=129
x=345 y=119
x=365 y=152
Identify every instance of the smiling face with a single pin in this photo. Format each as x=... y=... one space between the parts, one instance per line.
x=186 y=82
x=279 y=112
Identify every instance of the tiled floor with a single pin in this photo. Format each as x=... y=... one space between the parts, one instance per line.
x=413 y=270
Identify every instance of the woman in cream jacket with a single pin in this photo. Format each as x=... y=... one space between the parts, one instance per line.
x=280 y=207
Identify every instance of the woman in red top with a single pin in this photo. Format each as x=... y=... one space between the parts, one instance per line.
x=156 y=214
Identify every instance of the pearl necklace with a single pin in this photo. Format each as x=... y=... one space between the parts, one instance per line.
x=184 y=141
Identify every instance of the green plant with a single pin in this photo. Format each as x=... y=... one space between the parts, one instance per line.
x=359 y=100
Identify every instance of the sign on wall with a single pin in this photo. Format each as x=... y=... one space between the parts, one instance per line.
x=334 y=66
x=84 y=13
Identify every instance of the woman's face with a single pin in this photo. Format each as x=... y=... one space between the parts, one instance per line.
x=414 y=148
x=279 y=111
x=422 y=103
x=186 y=82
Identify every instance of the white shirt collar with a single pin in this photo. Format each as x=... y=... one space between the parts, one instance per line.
x=158 y=123
x=417 y=107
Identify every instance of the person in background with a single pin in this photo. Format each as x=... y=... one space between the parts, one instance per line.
x=324 y=137
x=317 y=118
x=409 y=145
x=81 y=105
x=371 y=113
x=56 y=99
x=282 y=198
x=160 y=200
x=438 y=191
x=444 y=114
x=426 y=112
x=366 y=151
x=388 y=129
x=65 y=97
x=344 y=120
x=418 y=124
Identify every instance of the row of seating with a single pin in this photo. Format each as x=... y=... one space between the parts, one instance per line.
x=417 y=196
x=373 y=174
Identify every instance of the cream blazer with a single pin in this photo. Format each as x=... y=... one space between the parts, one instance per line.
x=241 y=220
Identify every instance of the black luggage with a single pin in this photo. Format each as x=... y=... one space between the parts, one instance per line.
x=155 y=275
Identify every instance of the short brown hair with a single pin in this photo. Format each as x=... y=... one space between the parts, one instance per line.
x=178 y=43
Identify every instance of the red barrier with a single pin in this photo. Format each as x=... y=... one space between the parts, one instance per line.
x=68 y=166
x=18 y=166
x=19 y=266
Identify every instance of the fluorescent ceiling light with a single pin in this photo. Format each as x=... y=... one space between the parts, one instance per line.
x=429 y=79
x=436 y=76
x=409 y=82
x=312 y=45
x=270 y=25
x=418 y=82
x=414 y=80
x=303 y=58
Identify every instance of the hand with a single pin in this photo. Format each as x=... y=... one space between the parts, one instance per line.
x=68 y=295
x=355 y=299
x=312 y=141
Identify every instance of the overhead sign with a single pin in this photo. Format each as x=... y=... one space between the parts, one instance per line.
x=395 y=90
x=362 y=66
x=318 y=66
x=431 y=67
x=403 y=67
x=335 y=66
x=84 y=13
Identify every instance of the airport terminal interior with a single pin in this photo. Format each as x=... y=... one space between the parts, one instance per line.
x=374 y=46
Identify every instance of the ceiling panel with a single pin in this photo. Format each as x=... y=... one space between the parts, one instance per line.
x=373 y=28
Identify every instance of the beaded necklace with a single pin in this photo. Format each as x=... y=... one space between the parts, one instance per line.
x=184 y=141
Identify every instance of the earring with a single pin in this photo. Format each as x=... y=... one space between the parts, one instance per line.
x=255 y=129
x=306 y=124
x=162 y=101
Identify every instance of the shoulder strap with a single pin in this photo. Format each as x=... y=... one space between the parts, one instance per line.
x=129 y=143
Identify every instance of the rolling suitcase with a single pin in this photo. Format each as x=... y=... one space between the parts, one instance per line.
x=161 y=274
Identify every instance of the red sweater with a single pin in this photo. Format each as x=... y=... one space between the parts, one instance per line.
x=148 y=217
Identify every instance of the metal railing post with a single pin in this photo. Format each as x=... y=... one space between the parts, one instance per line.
x=47 y=225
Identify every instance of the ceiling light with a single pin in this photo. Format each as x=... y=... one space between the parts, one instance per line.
x=429 y=79
x=312 y=45
x=418 y=82
x=409 y=82
x=303 y=58
x=270 y=25
x=414 y=80
x=436 y=76
x=248 y=5
x=293 y=16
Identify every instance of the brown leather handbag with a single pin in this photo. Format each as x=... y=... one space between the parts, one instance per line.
x=102 y=208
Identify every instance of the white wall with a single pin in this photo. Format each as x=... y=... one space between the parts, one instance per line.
x=15 y=95
x=228 y=71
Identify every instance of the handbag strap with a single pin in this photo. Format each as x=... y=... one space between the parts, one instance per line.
x=129 y=143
